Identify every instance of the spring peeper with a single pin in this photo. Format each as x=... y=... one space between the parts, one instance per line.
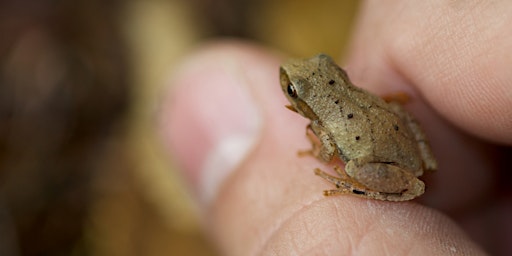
x=383 y=147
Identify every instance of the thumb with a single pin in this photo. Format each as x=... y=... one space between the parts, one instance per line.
x=225 y=124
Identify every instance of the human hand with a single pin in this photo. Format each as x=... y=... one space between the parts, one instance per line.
x=226 y=125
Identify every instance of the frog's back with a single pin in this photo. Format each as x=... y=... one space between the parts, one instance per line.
x=374 y=130
x=359 y=123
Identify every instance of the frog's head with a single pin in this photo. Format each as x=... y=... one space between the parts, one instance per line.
x=309 y=83
x=295 y=88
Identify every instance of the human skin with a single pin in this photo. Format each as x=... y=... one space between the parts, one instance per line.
x=225 y=125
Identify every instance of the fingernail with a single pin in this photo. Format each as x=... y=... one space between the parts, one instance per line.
x=211 y=122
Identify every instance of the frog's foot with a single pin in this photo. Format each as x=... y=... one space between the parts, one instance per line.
x=398 y=97
x=346 y=185
x=310 y=152
x=341 y=172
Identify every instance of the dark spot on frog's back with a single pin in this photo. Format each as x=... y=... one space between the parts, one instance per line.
x=331 y=82
x=349 y=116
x=336 y=102
x=396 y=127
x=358 y=192
x=358 y=137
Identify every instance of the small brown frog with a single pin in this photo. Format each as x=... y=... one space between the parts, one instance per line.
x=383 y=147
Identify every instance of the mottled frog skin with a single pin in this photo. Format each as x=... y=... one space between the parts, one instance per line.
x=383 y=147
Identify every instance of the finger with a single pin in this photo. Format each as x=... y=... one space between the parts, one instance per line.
x=264 y=198
x=455 y=55
x=389 y=53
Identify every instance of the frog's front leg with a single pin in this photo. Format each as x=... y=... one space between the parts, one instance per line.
x=322 y=146
x=316 y=146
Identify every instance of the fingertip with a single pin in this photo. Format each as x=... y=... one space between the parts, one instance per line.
x=203 y=117
x=349 y=225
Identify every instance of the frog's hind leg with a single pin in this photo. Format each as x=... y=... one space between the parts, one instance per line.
x=343 y=187
x=396 y=101
x=347 y=185
x=390 y=182
x=344 y=184
x=429 y=161
x=341 y=172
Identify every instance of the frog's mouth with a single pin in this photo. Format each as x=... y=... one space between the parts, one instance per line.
x=302 y=109
x=290 y=107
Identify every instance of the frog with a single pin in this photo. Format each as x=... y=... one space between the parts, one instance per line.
x=384 y=149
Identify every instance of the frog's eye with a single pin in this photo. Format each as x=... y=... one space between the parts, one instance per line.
x=291 y=90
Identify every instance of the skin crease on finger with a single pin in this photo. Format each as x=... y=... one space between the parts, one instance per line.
x=272 y=202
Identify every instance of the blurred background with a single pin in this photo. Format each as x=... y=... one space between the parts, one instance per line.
x=81 y=168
